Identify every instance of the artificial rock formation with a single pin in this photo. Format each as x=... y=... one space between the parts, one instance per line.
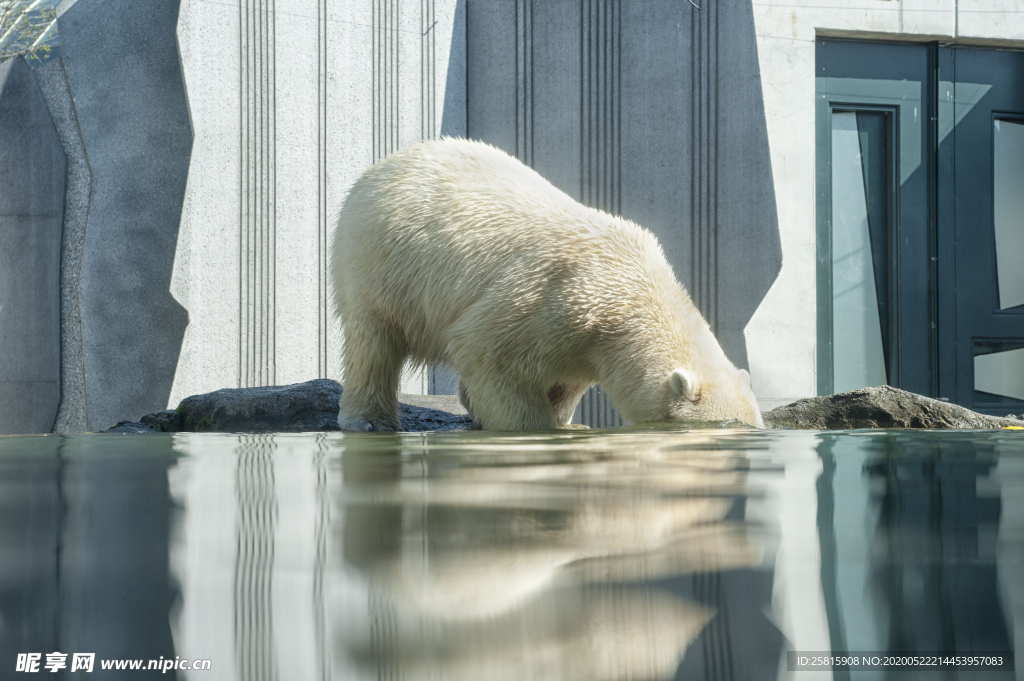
x=880 y=407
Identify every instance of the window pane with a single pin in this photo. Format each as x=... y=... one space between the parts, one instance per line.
x=859 y=248
x=1008 y=140
x=1000 y=373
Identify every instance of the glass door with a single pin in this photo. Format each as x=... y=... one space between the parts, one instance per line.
x=874 y=214
x=981 y=228
x=920 y=209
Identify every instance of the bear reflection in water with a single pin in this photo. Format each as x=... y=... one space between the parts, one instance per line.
x=557 y=564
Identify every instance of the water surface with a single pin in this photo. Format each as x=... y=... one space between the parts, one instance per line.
x=634 y=554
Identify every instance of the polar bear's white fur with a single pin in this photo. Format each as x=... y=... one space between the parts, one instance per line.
x=453 y=252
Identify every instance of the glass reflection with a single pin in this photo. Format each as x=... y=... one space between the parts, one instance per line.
x=1008 y=206
x=999 y=372
x=860 y=199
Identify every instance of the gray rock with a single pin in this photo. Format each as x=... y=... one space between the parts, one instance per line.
x=880 y=407
x=132 y=427
x=167 y=421
x=309 y=406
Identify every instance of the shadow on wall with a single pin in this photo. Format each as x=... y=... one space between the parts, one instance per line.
x=649 y=109
x=748 y=246
x=443 y=380
x=453 y=113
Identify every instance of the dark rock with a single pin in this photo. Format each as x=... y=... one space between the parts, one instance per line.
x=309 y=406
x=167 y=421
x=880 y=407
x=299 y=407
x=133 y=427
x=432 y=412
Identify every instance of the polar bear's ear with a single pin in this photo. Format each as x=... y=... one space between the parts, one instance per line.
x=684 y=384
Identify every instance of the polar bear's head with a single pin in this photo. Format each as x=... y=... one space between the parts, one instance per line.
x=712 y=395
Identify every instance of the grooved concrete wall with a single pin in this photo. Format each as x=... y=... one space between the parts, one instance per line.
x=290 y=102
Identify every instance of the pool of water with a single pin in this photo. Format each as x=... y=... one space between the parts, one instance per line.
x=637 y=554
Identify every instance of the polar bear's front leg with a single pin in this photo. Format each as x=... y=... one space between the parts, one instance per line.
x=373 y=358
x=464 y=401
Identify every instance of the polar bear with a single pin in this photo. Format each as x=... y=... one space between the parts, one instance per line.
x=453 y=252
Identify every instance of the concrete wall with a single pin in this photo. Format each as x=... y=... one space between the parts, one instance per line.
x=781 y=336
x=208 y=145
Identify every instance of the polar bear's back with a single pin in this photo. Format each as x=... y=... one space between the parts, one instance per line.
x=465 y=192
x=446 y=225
